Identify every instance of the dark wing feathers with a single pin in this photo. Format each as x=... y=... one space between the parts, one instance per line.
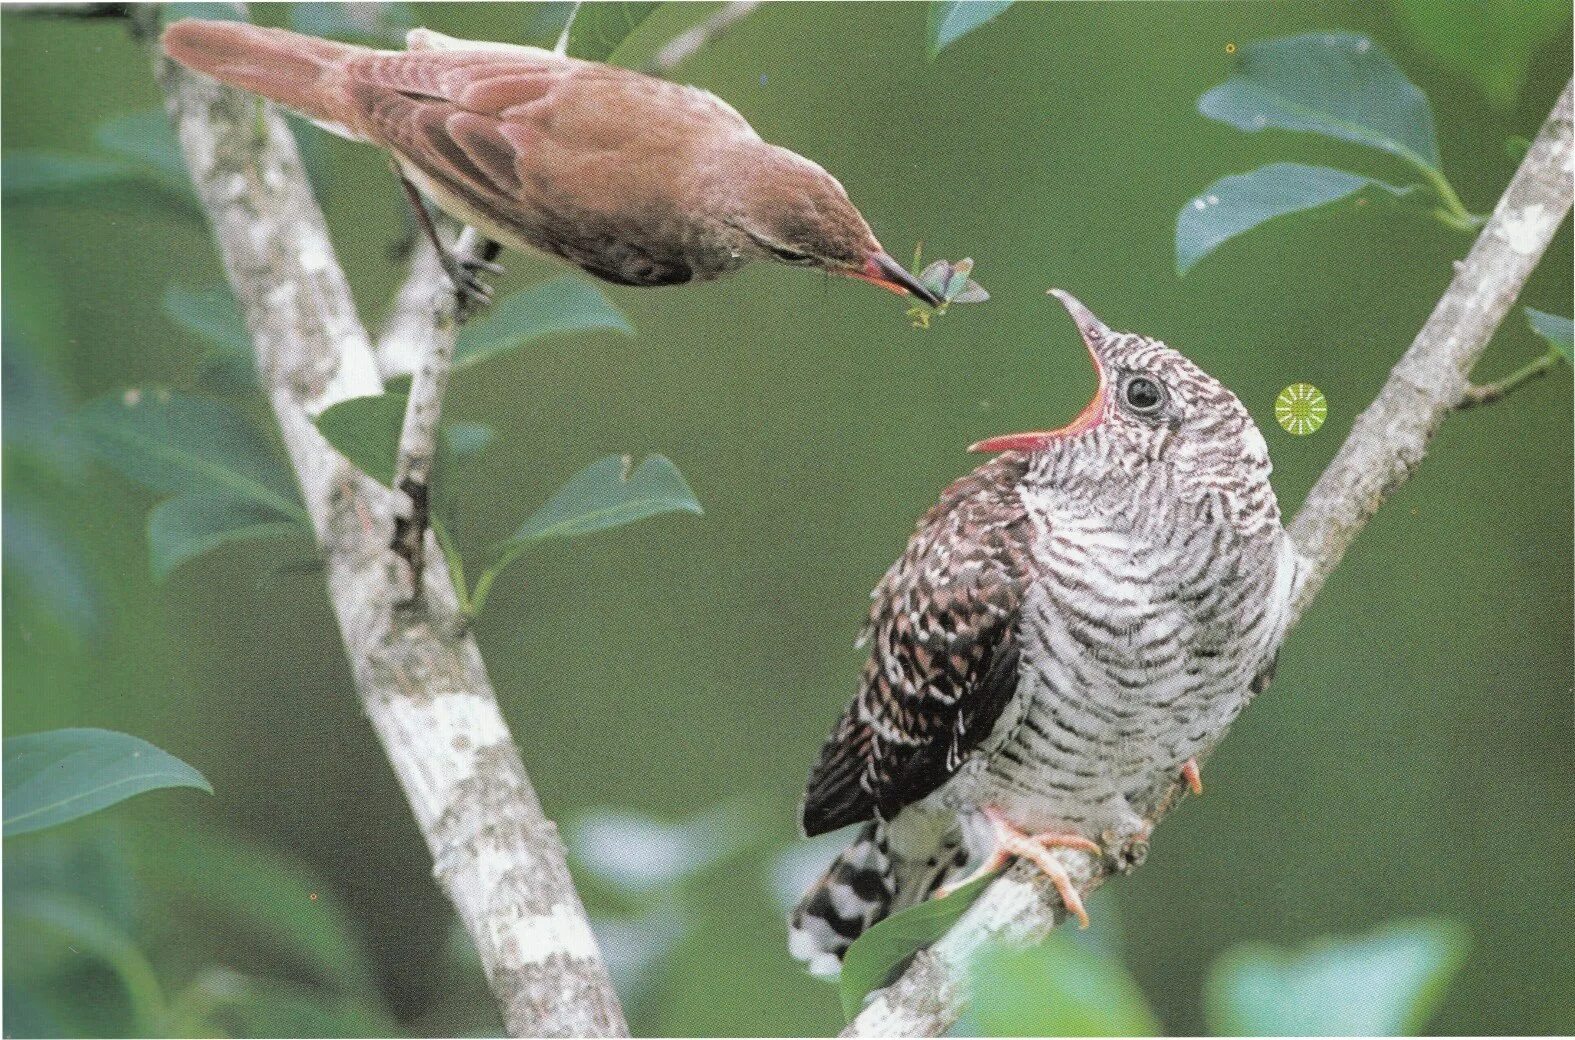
x=943 y=660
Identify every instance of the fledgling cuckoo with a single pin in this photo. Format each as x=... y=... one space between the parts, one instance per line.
x=631 y=178
x=1070 y=628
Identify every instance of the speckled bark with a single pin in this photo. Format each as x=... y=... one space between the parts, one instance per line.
x=1386 y=443
x=424 y=688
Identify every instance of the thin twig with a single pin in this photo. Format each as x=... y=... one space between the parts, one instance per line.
x=686 y=44
x=423 y=686
x=1386 y=443
x=1486 y=393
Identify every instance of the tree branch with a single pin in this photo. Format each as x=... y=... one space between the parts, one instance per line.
x=1386 y=443
x=424 y=688
x=1486 y=393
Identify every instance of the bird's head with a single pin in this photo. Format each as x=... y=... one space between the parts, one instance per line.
x=792 y=211
x=1153 y=407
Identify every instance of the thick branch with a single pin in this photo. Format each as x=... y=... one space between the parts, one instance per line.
x=424 y=688
x=1386 y=443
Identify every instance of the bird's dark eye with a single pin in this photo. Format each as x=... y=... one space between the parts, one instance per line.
x=1143 y=395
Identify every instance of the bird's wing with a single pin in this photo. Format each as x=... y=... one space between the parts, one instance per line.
x=473 y=113
x=944 y=656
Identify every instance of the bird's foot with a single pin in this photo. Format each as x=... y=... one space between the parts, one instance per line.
x=464 y=271
x=1193 y=776
x=1012 y=841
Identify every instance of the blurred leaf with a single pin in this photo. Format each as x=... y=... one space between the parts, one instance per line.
x=599 y=29
x=248 y=901
x=610 y=492
x=48 y=177
x=561 y=305
x=950 y=20
x=464 y=441
x=39 y=552
x=1236 y=204
x=187 y=526
x=37 y=408
x=223 y=1002
x=145 y=139
x=211 y=315
x=1490 y=42
x=91 y=933
x=1385 y=984
x=54 y=777
x=1057 y=988
x=1552 y=328
x=366 y=431
x=369 y=24
x=881 y=951
x=642 y=855
x=1336 y=84
x=173 y=442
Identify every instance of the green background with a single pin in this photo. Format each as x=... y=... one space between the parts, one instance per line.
x=1413 y=757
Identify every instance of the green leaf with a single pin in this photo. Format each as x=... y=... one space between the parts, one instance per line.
x=1551 y=327
x=877 y=955
x=229 y=896
x=222 y=1002
x=609 y=493
x=1058 y=988
x=40 y=551
x=597 y=30
x=49 y=177
x=54 y=777
x=1335 y=84
x=1236 y=204
x=211 y=315
x=950 y=20
x=366 y=431
x=1384 y=984
x=463 y=441
x=174 y=442
x=187 y=526
x=1490 y=42
x=89 y=932
x=562 y=305
x=145 y=139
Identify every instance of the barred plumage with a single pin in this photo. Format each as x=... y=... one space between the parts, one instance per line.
x=1073 y=624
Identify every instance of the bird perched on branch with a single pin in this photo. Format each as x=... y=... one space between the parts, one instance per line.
x=634 y=179
x=1070 y=629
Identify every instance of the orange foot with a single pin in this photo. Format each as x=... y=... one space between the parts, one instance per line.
x=1011 y=840
x=1193 y=776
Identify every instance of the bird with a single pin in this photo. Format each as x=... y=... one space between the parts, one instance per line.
x=633 y=179
x=1068 y=632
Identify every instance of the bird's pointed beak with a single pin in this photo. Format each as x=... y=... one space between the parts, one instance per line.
x=887 y=273
x=1095 y=333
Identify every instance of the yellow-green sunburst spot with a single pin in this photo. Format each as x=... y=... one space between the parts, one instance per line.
x=1301 y=409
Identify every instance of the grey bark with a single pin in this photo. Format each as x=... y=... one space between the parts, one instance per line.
x=424 y=686
x=1386 y=443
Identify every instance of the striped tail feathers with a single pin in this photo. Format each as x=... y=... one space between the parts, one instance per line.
x=888 y=867
x=282 y=66
x=855 y=892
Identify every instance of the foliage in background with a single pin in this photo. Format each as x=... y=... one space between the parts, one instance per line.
x=56 y=777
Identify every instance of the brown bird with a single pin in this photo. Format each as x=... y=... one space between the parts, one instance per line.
x=1073 y=625
x=634 y=179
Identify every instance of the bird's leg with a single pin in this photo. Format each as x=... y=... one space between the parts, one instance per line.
x=1011 y=840
x=470 y=291
x=1193 y=776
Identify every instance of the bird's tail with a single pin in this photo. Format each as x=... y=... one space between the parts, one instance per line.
x=282 y=66
x=873 y=878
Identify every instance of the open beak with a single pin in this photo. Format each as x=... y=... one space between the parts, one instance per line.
x=887 y=273
x=1094 y=333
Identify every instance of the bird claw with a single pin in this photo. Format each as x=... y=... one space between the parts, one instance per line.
x=1011 y=840
x=471 y=293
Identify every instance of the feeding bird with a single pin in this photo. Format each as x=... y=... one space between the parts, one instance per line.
x=1070 y=629
x=634 y=179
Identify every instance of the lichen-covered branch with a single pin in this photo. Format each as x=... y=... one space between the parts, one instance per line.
x=424 y=686
x=1386 y=443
